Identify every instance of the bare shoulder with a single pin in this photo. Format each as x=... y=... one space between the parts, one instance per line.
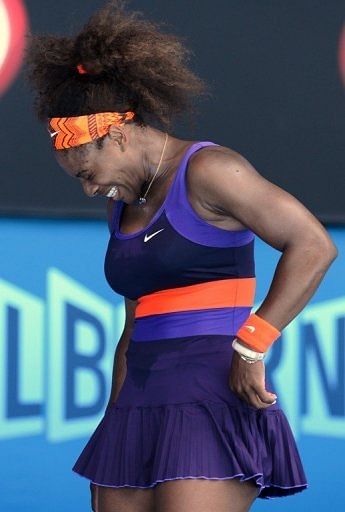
x=220 y=166
x=202 y=167
x=211 y=159
x=206 y=151
x=229 y=184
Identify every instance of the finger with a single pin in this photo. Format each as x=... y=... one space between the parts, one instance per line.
x=251 y=395
x=241 y=393
x=260 y=403
x=265 y=396
x=250 y=398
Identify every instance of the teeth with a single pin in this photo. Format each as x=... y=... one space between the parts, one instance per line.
x=113 y=192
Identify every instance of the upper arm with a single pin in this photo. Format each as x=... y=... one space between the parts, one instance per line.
x=233 y=186
x=130 y=305
x=130 y=313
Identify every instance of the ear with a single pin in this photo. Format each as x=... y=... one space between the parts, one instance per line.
x=117 y=135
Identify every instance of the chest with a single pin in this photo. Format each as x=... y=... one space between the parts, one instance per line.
x=165 y=257
x=134 y=217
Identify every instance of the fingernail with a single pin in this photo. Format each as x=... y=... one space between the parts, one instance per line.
x=275 y=401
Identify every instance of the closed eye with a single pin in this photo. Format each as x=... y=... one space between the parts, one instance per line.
x=81 y=174
x=87 y=178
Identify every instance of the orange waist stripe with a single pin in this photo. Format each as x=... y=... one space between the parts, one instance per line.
x=211 y=294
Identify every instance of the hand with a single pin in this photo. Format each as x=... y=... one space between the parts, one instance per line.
x=248 y=381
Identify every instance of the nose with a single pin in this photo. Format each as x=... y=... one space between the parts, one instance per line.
x=90 y=190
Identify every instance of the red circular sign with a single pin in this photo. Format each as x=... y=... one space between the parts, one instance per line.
x=13 y=23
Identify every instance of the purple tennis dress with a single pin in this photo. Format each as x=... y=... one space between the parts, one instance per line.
x=175 y=416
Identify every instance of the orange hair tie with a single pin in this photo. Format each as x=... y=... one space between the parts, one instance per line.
x=81 y=69
x=257 y=333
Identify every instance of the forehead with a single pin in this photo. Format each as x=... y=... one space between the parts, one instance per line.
x=73 y=160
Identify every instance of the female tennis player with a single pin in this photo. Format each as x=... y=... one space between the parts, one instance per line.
x=192 y=422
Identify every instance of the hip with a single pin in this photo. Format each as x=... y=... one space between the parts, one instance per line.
x=179 y=370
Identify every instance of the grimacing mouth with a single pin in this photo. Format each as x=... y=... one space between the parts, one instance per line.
x=112 y=192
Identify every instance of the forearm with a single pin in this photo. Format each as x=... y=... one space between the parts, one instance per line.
x=298 y=274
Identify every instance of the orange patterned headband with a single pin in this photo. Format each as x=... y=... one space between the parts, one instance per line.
x=67 y=132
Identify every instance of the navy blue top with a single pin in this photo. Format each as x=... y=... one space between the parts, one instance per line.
x=177 y=248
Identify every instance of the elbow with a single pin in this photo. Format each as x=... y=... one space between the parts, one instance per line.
x=334 y=253
x=317 y=251
x=330 y=250
x=326 y=251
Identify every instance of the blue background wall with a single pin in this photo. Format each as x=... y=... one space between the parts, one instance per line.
x=59 y=325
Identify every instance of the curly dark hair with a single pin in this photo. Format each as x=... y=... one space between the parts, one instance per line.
x=131 y=65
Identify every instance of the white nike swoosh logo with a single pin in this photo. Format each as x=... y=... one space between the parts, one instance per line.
x=52 y=134
x=148 y=237
x=250 y=328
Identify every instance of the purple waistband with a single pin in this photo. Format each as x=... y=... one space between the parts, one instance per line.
x=225 y=321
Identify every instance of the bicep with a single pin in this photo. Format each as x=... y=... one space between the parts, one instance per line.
x=130 y=306
x=236 y=188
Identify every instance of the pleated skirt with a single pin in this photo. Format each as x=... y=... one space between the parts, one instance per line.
x=176 y=418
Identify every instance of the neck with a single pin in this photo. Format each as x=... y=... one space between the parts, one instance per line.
x=151 y=155
x=152 y=142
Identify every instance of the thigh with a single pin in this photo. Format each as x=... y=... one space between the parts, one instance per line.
x=201 y=495
x=121 y=499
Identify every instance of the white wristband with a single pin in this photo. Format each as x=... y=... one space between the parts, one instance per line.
x=246 y=352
